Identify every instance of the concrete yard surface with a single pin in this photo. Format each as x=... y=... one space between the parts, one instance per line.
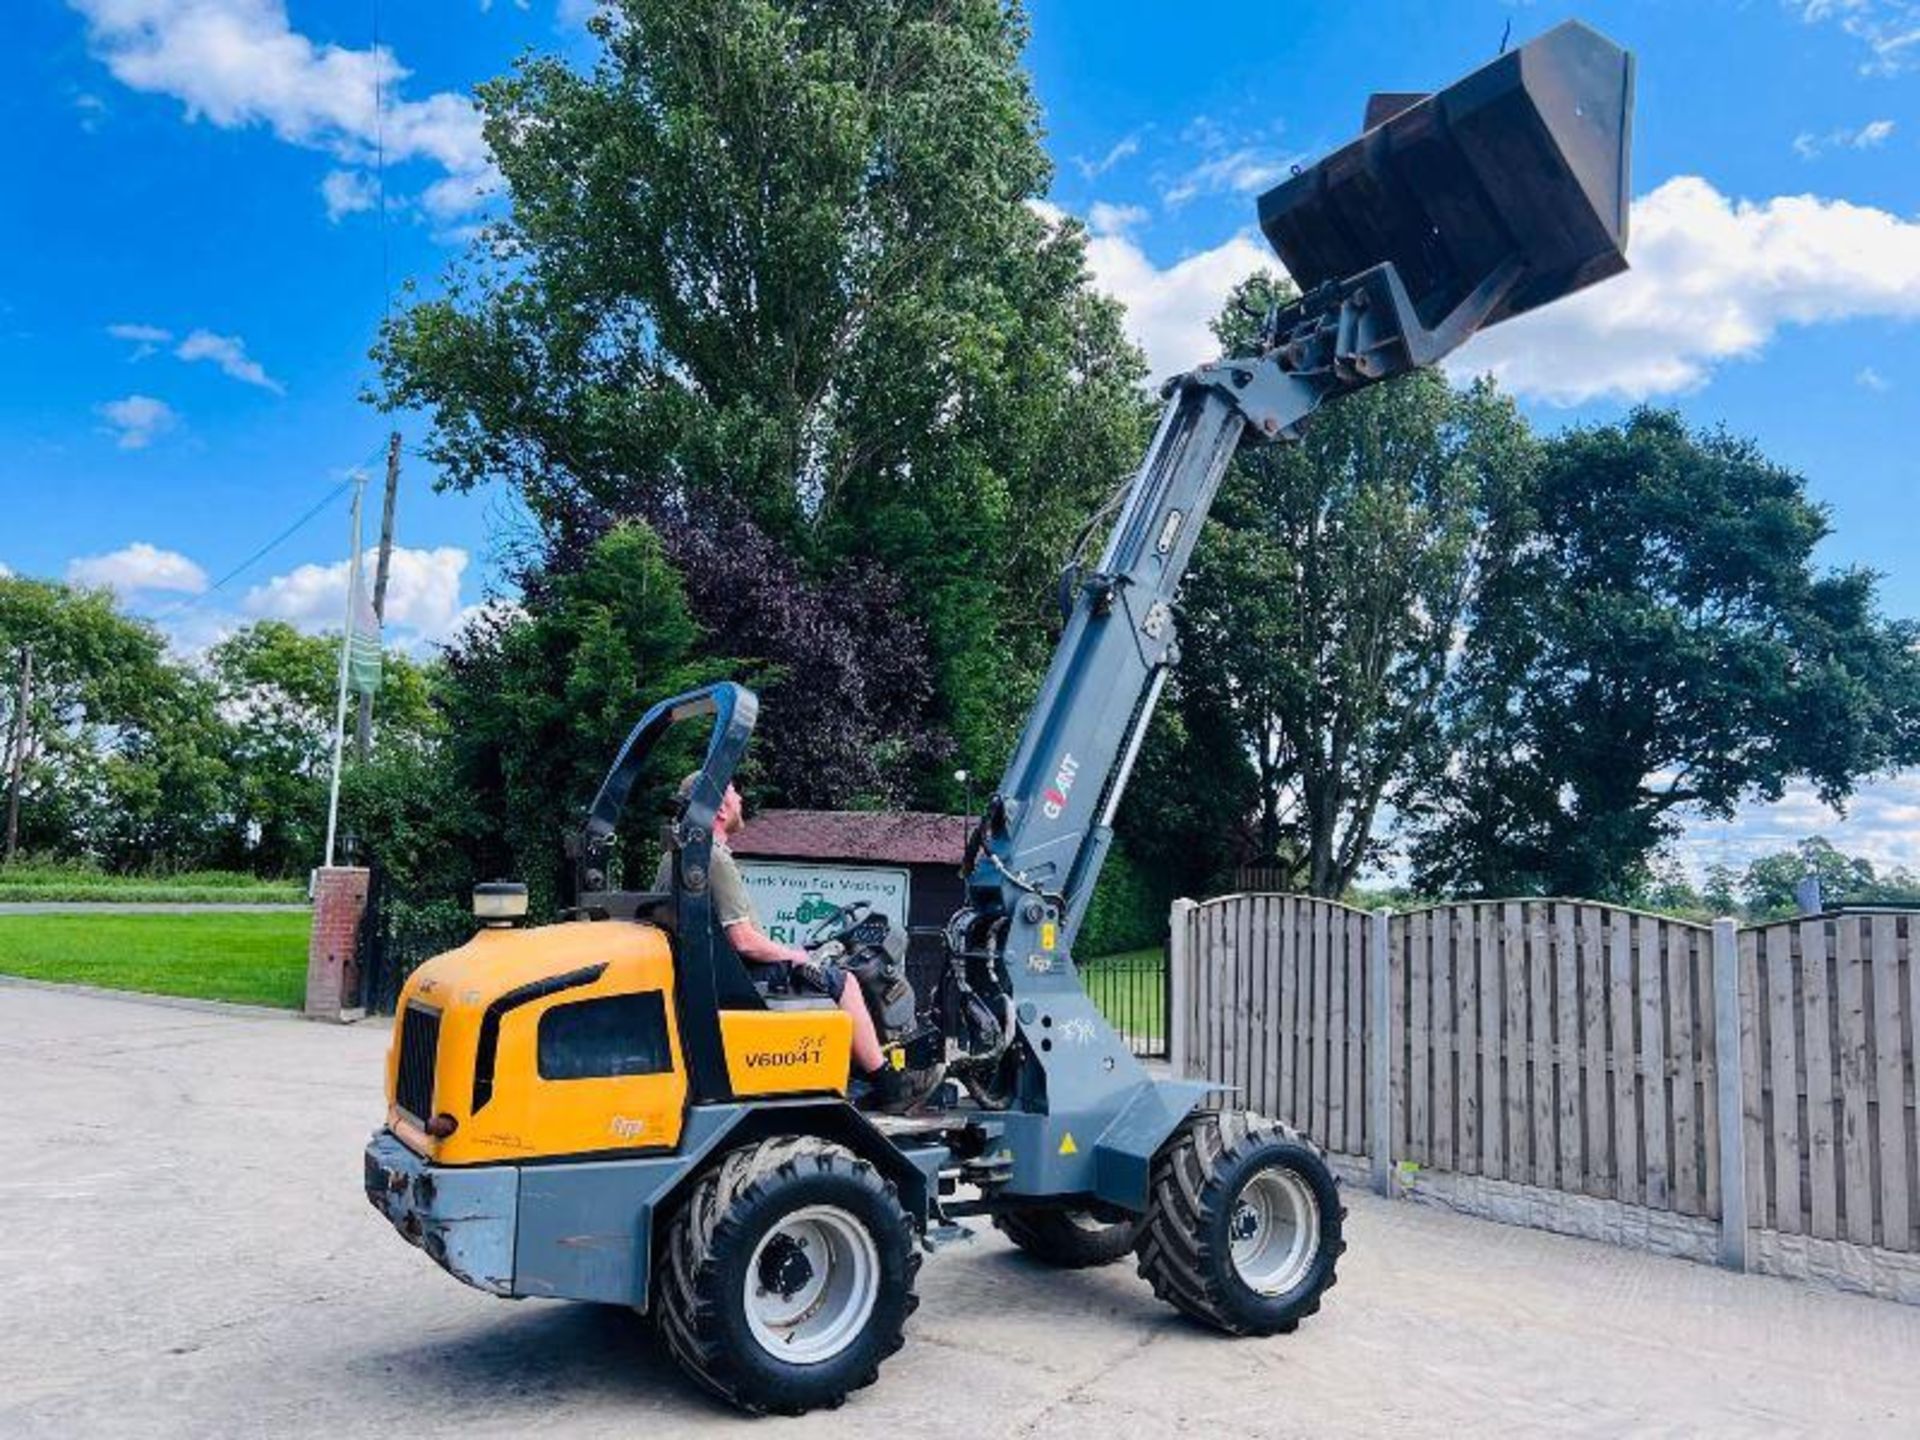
x=187 y=1252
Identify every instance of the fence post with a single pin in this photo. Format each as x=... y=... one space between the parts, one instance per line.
x=1180 y=978
x=1379 y=1056
x=1728 y=1068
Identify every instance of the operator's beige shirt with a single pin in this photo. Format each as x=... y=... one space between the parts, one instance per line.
x=732 y=905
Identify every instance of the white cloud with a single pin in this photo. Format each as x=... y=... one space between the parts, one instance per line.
x=1105 y=219
x=1237 y=172
x=1713 y=280
x=423 y=593
x=137 y=419
x=348 y=192
x=1168 y=310
x=1871 y=379
x=1882 y=823
x=145 y=339
x=93 y=111
x=4 y=572
x=192 y=630
x=1869 y=136
x=138 y=567
x=457 y=195
x=1890 y=29
x=1122 y=149
x=496 y=608
x=229 y=352
x=238 y=63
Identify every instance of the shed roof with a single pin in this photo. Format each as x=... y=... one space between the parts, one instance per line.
x=901 y=837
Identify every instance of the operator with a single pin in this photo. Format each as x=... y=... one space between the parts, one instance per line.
x=733 y=909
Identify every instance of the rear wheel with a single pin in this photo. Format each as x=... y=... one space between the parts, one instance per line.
x=1071 y=1239
x=787 y=1276
x=1244 y=1227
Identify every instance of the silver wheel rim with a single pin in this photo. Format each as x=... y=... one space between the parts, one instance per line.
x=811 y=1285
x=1275 y=1230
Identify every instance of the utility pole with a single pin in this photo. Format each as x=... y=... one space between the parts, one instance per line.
x=363 y=730
x=19 y=751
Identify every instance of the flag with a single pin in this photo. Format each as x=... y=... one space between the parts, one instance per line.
x=363 y=640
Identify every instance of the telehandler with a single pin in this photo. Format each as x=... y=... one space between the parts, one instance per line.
x=615 y=1109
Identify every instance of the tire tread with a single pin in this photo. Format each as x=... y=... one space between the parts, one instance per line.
x=686 y=1307
x=1176 y=1256
x=1049 y=1236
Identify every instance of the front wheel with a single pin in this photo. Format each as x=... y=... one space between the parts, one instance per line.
x=787 y=1276
x=1244 y=1225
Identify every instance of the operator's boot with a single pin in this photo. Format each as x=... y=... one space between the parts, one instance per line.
x=884 y=1091
x=894 y=1089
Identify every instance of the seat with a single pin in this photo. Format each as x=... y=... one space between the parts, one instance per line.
x=790 y=1000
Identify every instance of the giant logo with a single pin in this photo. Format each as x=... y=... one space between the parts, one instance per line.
x=1053 y=800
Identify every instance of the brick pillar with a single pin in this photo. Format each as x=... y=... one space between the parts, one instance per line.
x=333 y=970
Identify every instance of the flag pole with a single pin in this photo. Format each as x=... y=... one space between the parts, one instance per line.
x=346 y=643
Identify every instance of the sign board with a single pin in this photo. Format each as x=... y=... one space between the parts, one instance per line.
x=793 y=897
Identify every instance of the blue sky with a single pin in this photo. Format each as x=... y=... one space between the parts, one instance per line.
x=195 y=261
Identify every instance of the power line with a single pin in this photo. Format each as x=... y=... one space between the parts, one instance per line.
x=334 y=494
x=380 y=167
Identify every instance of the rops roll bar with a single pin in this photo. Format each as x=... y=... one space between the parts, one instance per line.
x=734 y=709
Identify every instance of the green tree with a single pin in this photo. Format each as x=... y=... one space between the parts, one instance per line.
x=1184 y=816
x=1663 y=645
x=278 y=689
x=122 y=760
x=539 y=701
x=1770 y=882
x=778 y=258
x=1327 y=597
x=1671 y=891
x=1721 y=894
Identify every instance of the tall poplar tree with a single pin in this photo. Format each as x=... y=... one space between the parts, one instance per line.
x=777 y=263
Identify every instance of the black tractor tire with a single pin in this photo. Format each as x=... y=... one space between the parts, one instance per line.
x=1209 y=1176
x=708 y=1272
x=1069 y=1239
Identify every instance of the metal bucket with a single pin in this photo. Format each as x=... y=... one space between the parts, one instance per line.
x=1527 y=157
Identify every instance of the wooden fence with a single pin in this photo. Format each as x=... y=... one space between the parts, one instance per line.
x=1760 y=1079
x=1279 y=1008
x=1829 y=1010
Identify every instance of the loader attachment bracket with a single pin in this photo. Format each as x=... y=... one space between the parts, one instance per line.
x=1343 y=337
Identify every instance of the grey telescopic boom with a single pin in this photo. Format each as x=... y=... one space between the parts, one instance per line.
x=1503 y=192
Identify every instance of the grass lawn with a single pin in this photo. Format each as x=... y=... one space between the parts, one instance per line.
x=41 y=880
x=1130 y=989
x=256 y=959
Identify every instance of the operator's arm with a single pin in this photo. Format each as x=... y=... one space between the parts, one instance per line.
x=733 y=908
x=750 y=942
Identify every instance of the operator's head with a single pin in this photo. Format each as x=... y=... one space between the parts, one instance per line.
x=729 y=818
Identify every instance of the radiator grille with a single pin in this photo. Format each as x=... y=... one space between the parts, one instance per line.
x=419 y=1044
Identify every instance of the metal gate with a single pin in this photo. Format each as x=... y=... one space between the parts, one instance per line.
x=397 y=933
x=1134 y=991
